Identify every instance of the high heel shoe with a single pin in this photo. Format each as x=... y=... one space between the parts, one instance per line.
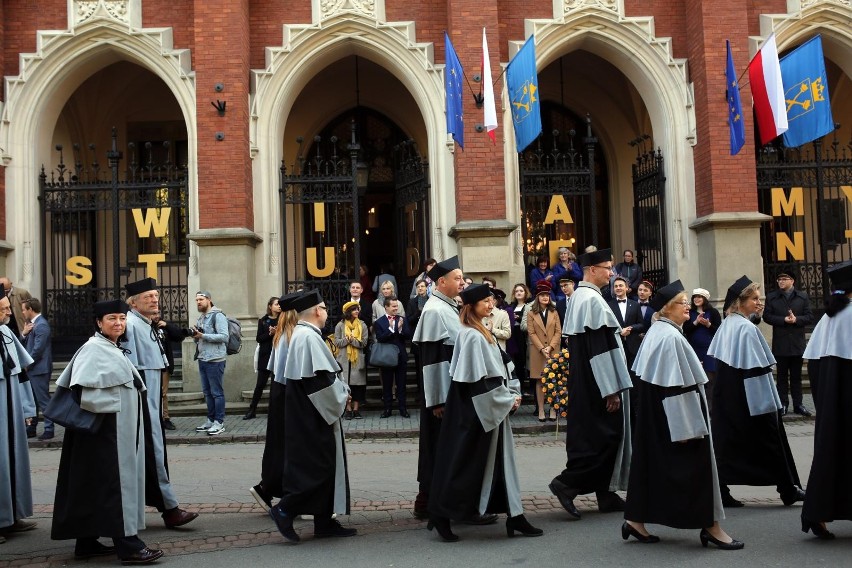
x=628 y=530
x=818 y=529
x=707 y=537
x=442 y=525
x=522 y=525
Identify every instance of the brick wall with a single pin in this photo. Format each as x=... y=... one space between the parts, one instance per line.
x=222 y=51
x=669 y=19
x=161 y=14
x=267 y=19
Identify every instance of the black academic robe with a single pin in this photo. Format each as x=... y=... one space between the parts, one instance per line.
x=315 y=479
x=830 y=358
x=597 y=442
x=272 y=463
x=750 y=444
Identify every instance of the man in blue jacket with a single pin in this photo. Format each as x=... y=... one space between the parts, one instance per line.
x=211 y=339
x=36 y=334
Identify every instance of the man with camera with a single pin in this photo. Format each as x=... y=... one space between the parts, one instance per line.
x=211 y=339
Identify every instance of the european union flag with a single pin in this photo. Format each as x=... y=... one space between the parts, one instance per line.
x=735 y=106
x=806 y=94
x=522 y=80
x=453 y=82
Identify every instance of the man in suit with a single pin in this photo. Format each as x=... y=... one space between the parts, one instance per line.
x=356 y=292
x=566 y=286
x=788 y=311
x=36 y=334
x=645 y=291
x=629 y=317
x=392 y=328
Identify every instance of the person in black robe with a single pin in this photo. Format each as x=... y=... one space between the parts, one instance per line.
x=272 y=464
x=749 y=437
x=100 y=489
x=315 y=478
x=475 y=469
x=597 y=431
x=673 y=477
x=829 y=355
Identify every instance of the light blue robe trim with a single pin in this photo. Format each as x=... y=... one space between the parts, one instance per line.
x=685 y=417
x=666 y=358
x=439 y=322
x=436 y=383
x=832 y=337
x=739 y=344
x=587 y=309
x=610 y=371
x=510 y=471
x=761 y=395
x=621 y=470
x=330 y=402
x=14 y=442
x=308 y=354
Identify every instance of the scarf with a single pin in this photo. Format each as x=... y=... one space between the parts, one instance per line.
x=353 y=329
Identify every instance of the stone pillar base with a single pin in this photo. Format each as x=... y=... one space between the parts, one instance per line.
x=226 y=269
x=728 y=247
x=485 y=250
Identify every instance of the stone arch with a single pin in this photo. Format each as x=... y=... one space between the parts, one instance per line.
x=630 y=44
x=36 y=96
x=389 y=45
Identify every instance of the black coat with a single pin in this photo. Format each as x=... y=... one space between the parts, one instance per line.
x=633 y=319
x=788 y=340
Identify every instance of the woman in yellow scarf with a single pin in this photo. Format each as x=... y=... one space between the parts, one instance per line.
x=350 y=336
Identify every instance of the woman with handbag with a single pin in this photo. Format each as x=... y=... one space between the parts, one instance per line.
x=673 y=479
x=100 y=491
x=351 y=336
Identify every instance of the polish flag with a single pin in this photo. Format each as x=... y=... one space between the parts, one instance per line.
x=488 y=92
x=764 y=73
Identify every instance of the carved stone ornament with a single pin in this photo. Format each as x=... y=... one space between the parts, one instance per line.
x=611 y=5
x=810 y=3
x=329 y=8
x=114 y=9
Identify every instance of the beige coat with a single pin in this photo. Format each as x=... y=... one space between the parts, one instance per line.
x=355 y=374
x=542 y=336
x=498 y=322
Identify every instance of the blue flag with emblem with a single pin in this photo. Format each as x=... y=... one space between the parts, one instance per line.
x=735 y=106
x=453 y=83
x=522 y=81
x=806 y=94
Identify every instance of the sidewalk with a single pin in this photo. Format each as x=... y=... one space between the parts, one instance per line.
x=370 y=427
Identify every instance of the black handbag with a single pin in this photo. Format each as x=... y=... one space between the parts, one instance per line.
x=64 y=409
x=384 y=355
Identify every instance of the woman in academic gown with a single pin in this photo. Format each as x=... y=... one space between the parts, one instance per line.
x=829 y=355
x=100 y=491
x=748 y=434
x=673 y=478
x=475 y=470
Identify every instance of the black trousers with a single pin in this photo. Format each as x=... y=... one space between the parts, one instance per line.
x=124 y=545
x=789 y=379
x=262 y=378
x=391 y=376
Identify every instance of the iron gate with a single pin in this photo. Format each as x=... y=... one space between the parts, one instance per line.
x=102 y=228
x=808 y=193
x=411 y=183
x=649 y=214
x=559 y=201
x=320 y=221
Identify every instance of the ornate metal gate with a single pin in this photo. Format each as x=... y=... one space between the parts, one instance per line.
x=559 y=198
x=808 y=192
x=320 y=221
x=649 y=213
x=411 y=181
x=103 y=228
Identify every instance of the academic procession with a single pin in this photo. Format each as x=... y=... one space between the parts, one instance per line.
x=622 y=222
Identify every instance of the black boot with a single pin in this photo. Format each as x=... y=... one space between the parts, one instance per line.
x=522 y=525
x=442 y=525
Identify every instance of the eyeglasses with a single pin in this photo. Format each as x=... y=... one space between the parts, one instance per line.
x=684 y=302
x=323 y=307
x=609 y=268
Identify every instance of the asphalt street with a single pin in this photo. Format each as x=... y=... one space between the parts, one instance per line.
x=213 y=479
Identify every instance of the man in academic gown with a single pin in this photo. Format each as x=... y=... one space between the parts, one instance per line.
x=143 y=339
x=597 y=432
x=829 y=355
x=16 y=495
x=435 y=337
x=315 y=477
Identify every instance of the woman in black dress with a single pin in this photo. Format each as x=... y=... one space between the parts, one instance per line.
x=265 y=331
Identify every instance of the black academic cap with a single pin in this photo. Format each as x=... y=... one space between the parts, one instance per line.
x=110 y=307
x=308 y=299
x=443 y=268
x=665 y=295
x=475 y=293
x=285 y=302
x=735 y=290
x=595 y=257
x=141 y=286
x=841 y=276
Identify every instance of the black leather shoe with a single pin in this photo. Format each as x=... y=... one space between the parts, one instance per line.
x=707 y=537
x=628 y=530
x=284 y=522
x=793 y=496
x=442 y=525
x=729 y=502
x=46 y=436
x=333 y=528
x=357 y=415
x=169 y=425
x=610 y=503
x=250 y=415
x=144 y=556
x=802 y=411
x=486 y=519
x=263 y=499
x=177 y=517
x=386 y=414
x=522 y=525
x=565 y=496
x=404 y=414
x=31 y=431
x=347 y=415
x=818 y=529
x=91 y=549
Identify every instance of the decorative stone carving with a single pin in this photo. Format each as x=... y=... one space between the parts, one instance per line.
x=803 y=4
x=616 y=6
x=115 y=9
x=325 y=9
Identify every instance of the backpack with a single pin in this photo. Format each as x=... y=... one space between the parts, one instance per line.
x=235 y=335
